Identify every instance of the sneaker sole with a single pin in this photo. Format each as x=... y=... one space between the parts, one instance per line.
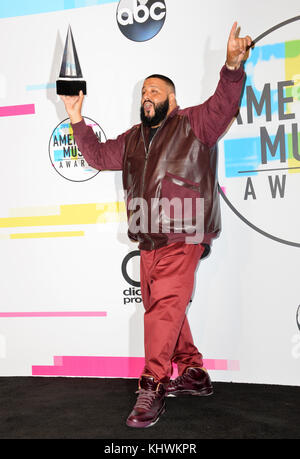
x=144 y=425
x=204 y=393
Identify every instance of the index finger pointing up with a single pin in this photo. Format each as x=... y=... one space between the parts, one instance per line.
x=233 y=31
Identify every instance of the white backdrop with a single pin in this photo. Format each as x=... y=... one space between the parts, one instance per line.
x=65 y=306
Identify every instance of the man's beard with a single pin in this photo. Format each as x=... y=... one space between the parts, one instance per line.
x=160 y=110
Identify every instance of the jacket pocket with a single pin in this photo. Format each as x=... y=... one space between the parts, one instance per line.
x=182 y=207
x=182 y=182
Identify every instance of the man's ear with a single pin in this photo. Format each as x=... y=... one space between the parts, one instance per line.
x=172 y=99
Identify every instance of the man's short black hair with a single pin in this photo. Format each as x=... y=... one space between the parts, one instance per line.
x=165 y=79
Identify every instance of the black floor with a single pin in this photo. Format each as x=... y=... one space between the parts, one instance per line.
x=84 y=408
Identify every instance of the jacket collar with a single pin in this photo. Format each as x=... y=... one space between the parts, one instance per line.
x=173 y=112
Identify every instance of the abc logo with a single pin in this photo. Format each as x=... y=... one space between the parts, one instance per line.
x=141 y=20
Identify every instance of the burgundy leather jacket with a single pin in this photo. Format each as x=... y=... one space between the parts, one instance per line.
x=163 y=179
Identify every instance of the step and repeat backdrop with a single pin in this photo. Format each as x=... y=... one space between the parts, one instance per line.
x=70 y=300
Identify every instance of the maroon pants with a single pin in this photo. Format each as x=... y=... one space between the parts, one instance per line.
x=167 y=282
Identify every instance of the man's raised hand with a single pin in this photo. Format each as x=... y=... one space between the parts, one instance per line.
x=73 y=105
x=237 y=48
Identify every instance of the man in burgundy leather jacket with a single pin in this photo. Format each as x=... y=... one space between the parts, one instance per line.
x=169 y=177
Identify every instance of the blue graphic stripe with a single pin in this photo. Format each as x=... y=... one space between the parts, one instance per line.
x=266 y=53
x=241 y=155
x=38 y=87
x=257 y=55
x=59 y=155
x=245 y=155
x=13 y=8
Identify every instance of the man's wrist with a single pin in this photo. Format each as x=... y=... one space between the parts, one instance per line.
x=75 y=119
x=232 y=67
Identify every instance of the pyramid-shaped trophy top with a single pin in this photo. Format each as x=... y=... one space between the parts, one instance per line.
x=70 y=67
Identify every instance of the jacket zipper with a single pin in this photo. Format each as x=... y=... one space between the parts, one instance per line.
x=147 y=151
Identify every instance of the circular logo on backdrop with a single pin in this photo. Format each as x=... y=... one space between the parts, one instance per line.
x=65 y=155
x=259 y=166
x=141 y=20
x=124 y=268
x=132 y=294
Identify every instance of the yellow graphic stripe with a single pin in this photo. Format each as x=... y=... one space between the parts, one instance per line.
x=73 y=214
x=34 y=211
x=47 y=235
x=292 y=72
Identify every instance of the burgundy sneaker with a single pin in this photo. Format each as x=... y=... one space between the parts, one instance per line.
x=194 y=381
x=150 y=403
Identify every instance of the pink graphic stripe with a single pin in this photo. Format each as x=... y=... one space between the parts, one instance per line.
x=16 y=110
x=113 y=367
x=55 y=314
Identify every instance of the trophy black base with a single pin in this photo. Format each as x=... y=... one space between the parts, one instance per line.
x=70 y=87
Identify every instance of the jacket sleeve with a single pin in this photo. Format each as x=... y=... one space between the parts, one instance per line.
x=99 y=155
x=211 y=119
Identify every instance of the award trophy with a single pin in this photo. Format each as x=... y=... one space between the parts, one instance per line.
x=70 y=78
